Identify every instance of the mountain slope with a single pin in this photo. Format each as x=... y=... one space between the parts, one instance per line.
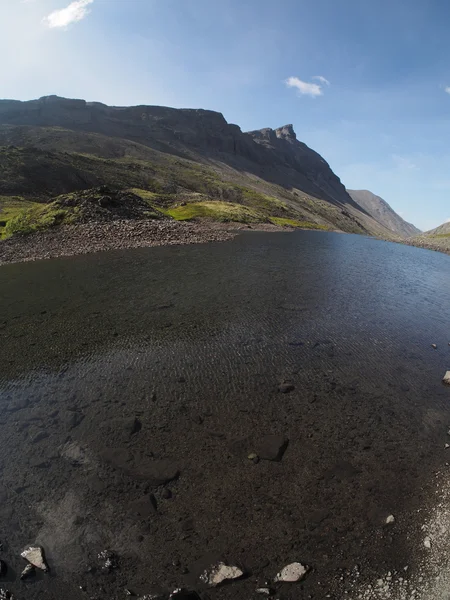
x=380 y=210
x=53 y=146
x=443 y=230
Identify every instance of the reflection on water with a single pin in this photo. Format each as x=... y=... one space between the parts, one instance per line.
x=193 y=342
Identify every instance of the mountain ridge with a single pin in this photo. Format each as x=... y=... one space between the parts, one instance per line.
x=180 y=152
x=380 y=210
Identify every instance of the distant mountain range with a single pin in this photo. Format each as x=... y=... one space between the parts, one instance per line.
x=380 y=210
x=53 y=146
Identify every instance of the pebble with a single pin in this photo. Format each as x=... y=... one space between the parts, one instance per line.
x=291 y=573
x=29 y=571
x=221 y=572
x=35 y=556
x=434 y=346
x=390 y=519
x=427 y=542
x=446 y=379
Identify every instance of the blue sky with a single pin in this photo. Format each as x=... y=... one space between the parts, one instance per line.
x=382 y=122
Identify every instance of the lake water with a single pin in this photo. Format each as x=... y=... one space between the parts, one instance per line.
x=193 y=341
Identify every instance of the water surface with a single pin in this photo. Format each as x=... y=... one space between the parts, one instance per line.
x=194 y=341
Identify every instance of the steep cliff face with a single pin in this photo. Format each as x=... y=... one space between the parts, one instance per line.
x=275 y=155
x=380 y=210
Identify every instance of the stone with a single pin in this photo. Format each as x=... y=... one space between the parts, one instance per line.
x=252 y=456
x=35 y=556
x=390 y=519
x=144 y=507
x=182 y=594
x=271 y=447
x=71 y=419
x=28 y=572
x=108 y=560
x=427 y=542
x=434 y=346
x=291 y=573
x=5 y=595
x=166 y=494
x=221 y=572
x=41 y=435
x=155 y=472
x=264 y=591
x=447 y=446
x=285 y=388
x=446 y=379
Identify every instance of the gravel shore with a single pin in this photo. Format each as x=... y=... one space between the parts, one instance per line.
x=112 y=235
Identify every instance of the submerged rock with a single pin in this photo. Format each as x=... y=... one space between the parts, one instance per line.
x=29 y=571
x=272 y=447
x=109 y=560
x=182 y=594
x=221 y=572
x=291 y=573
x=286 y=387
x=35 y=556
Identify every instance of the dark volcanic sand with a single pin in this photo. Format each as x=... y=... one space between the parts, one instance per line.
x=193 y=341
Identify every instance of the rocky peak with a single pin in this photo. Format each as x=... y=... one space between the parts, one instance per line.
x=286 y=133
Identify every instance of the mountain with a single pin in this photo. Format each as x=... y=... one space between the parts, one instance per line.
x=442 y=230
x=380 y=210
x=53 y=146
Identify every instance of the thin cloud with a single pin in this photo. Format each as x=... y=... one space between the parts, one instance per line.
x=322 y=79
x=447 y=89
x=304 y=88
x=76 y=11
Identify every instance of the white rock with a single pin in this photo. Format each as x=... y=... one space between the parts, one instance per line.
x=264 y=591
x=292 y=573
x=447 y=378
x=221 y=572
x=390 y=519
x=35 y=556
x=447 y=446
x=427 y=542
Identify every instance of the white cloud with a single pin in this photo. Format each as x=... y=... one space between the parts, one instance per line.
x=322 y=79
x=447 y=89
x=304 y=88
x=76 y=11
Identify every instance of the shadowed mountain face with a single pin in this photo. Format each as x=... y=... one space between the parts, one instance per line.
x=380 y=210
x=76 y=133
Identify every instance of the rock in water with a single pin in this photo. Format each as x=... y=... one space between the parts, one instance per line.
x=390 y=519
x=285 y=388
x=446 y=379
x=221 y=572
x=35 y=556
x=291 y=573
x=181 y=594
x=29 y=571
x=271 y=447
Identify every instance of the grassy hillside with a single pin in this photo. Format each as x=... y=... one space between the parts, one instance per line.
x=50 y=162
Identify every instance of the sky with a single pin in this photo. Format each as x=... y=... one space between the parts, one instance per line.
x=366 y=84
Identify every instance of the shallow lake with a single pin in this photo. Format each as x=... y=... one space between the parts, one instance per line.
x=130 y=379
